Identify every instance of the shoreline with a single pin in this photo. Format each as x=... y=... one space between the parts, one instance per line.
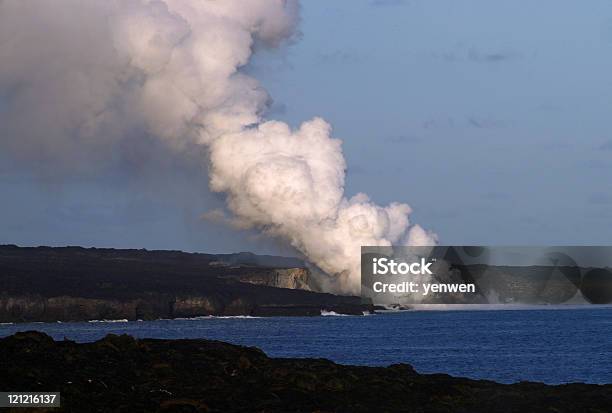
x=376 y=310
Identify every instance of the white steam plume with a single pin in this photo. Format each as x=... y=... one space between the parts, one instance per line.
x=77 y=77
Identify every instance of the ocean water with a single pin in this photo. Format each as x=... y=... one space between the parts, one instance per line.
x=551 y=346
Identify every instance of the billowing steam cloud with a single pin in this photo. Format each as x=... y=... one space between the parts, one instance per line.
x=82 y=76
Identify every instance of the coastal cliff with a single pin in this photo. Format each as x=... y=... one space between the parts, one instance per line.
x=120 y=373
x=77 y=284
x=292 y=278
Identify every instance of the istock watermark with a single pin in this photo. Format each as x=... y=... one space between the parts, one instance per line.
x=487 y=275
x=382 y=266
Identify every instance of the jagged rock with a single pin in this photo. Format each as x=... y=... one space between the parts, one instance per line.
x=120 y=373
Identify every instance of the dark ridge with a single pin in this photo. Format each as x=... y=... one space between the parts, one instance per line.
x=76 y=284
x=122 y=374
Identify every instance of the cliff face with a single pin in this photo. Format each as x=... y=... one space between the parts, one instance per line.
x=72 y=284
x=119 y=373
x=35 y=307
x=292 y=278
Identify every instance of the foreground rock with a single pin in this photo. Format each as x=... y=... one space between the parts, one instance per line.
x=78 y=284
x=121 y=374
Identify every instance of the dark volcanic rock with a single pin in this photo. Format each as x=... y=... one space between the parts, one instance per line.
x=75 y=284
x=121 y=374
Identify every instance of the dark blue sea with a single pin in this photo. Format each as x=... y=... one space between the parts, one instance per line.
x=551 y=346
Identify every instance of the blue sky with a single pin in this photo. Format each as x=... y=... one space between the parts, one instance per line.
x=492 y=119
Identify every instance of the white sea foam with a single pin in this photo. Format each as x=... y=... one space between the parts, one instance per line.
x=209 y=317
x=366 y=313
x=326 y=313
x=123 y=320
x=504 y=307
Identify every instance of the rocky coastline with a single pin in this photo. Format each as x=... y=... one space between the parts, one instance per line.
x=123 y=374
x=80 y=284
